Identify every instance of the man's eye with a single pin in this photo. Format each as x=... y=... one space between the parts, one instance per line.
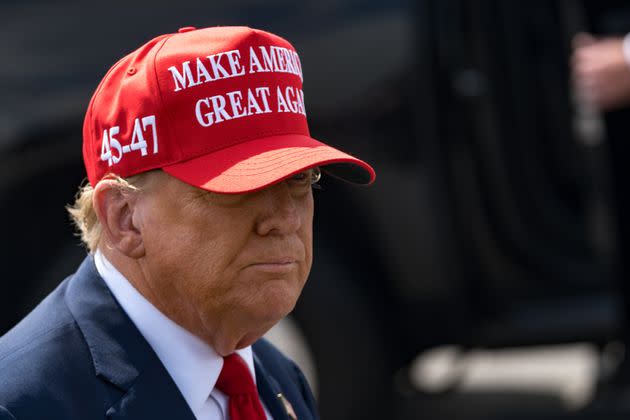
x=300 y=177
x=310 y=176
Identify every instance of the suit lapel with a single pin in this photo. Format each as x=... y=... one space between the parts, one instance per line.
x=151 y=397
x=121 y=356
x=268 y=389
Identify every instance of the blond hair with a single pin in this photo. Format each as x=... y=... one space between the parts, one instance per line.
x=83 y=214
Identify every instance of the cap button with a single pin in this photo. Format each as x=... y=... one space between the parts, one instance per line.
x=186 y=29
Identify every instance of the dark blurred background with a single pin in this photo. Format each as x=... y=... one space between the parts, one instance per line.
x=482 y=276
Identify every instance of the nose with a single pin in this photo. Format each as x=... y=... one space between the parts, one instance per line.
x=280 y=213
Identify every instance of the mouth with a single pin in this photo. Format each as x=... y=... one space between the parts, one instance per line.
x=279 y=265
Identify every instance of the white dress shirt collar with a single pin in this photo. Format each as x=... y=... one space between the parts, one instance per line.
x=193 y=364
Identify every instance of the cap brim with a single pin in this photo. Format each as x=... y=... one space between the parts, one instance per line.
x=256 y=164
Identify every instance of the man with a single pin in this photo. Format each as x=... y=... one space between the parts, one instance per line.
x=198 y=216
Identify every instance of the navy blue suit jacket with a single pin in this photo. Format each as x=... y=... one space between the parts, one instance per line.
x=78 y=356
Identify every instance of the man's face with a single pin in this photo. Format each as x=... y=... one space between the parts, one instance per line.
x=226 y=267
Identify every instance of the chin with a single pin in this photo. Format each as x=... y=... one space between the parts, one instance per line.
x=273 y=312
x=247 y=330
x=250 y=338
x=276 y=303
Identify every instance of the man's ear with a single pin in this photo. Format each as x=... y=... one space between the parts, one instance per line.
x=115 y=208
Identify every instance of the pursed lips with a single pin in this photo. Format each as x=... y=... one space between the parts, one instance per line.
x=275 y=264
x=276 y=261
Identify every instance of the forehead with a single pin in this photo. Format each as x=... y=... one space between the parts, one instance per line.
x=177 y=192
x=158 y=181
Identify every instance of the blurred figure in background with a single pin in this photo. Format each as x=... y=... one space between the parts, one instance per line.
x=601 y=70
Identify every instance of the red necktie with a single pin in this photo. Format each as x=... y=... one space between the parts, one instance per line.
x=237 y=383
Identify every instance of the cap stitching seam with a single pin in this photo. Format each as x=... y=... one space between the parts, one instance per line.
x=271 y=168
x=163 y=105
x=288 y=153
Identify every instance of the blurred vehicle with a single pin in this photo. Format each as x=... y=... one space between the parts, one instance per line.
x=491 y=223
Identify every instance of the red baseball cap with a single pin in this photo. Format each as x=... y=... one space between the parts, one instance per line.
x=219 y=108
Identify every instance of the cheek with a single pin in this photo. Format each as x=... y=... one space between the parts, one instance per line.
x=307 y=233
x=201 y=258
x=307 y=239
x=181 y=235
